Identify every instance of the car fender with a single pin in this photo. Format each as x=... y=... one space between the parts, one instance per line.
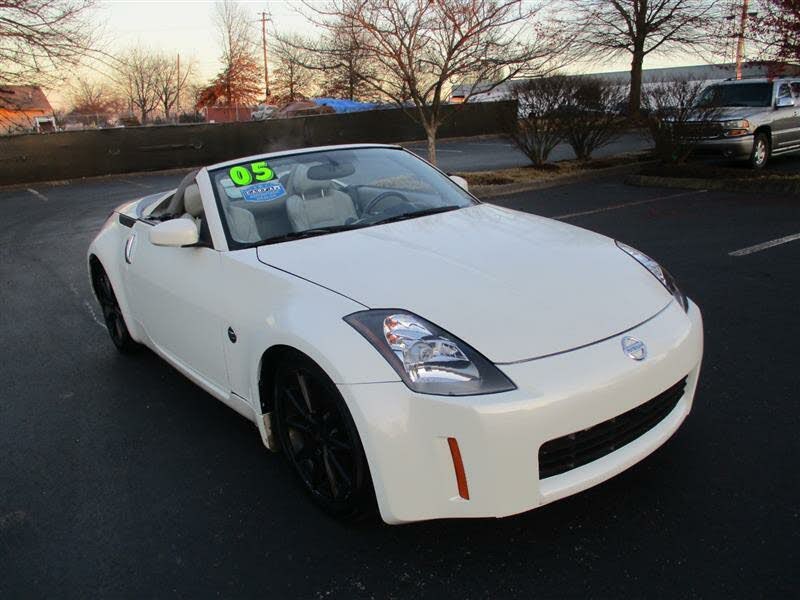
x=271 y=307
x=108 y=247
x=310 y=323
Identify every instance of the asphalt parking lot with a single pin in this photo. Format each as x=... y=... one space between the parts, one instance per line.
x=496 y=152
x=119 y=478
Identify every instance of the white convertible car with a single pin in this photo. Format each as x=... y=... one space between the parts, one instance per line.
x=398 y=340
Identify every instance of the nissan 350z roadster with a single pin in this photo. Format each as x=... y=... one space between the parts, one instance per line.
x=399 y=341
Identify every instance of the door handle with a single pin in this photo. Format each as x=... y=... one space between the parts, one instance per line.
x=129 y=245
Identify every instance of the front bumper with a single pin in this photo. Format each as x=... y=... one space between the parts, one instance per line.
x=734 y=147
x=405 y=434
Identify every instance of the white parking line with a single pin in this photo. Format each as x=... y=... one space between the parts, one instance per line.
x=87 y=305
x=765 y=245
x=136 y=183
x=37 y=194
x=93 y=314
x=625 y=205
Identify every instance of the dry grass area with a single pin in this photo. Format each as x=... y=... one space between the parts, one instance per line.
x=547 y=172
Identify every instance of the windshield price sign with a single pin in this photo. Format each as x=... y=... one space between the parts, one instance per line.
x=245 y=175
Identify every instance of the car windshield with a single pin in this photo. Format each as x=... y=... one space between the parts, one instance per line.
x=737 y=94
x=273 y=200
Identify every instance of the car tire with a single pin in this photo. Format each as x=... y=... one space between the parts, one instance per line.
x=761 y=151
x=112 y=314
x=320 y=441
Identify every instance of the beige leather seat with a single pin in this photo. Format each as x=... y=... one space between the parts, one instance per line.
x=241 y=224
x=315 y=203
x=193 y=204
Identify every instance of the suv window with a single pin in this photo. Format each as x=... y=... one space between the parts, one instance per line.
x=737 y=94
x=784 y=91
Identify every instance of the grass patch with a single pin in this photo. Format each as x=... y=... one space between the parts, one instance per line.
x=486 y=178
x=701 y=170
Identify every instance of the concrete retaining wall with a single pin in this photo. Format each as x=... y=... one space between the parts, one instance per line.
x=67 y=155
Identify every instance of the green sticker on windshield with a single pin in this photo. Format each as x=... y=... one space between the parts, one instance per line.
x=245 y=175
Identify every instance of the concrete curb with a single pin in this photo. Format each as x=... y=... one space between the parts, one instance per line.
x=493 y=191
x=728 y=185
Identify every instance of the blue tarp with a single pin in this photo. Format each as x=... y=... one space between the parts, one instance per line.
x=345 y=106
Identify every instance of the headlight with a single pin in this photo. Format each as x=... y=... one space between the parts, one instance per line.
x=659 y=272
x=742 y=124
x=428 y=359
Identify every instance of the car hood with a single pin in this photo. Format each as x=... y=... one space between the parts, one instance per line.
x=737 y=112
x=731 y=113
x=514 y=286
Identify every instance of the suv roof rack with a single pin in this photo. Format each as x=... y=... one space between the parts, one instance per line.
x=767 y=77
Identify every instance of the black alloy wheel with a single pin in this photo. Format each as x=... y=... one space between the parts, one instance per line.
x=320 y=440
x=112 y=314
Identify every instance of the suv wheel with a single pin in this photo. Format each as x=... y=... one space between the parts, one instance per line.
x=760 y=154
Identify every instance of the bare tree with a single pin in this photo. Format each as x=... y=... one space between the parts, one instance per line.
x=678 y=118
x=37 y=36
x=91 y=93
x=93 y=101
x=239 y=81
x=339 y=60
x=590 y=115
x=170 y=81
x=345 y=64
x=422 y=47
x=136 y=74
x=778 y=29
x=538 y=129
x=639 y=28
x=292 y=76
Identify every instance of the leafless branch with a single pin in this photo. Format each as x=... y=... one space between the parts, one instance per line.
x=37 y=37
x=608 y=29
x=419 y=48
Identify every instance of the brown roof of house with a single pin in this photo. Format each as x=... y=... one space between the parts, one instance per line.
x=24 y=98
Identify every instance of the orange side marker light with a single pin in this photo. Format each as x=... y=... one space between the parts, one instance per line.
x=458 y=465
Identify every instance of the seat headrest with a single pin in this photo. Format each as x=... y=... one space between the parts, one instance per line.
x=176 y=204
x=300 y=184
x=193 y=201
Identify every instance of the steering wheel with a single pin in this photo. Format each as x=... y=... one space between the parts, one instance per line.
x=382 y=196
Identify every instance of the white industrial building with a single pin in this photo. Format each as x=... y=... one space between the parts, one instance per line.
x=703 y=73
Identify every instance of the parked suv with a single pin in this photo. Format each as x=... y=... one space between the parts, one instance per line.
x=758 y=118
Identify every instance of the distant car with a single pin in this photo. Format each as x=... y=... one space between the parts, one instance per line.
x=759 y=118
x=264 y=112
x=303 y=108
x=389 y=332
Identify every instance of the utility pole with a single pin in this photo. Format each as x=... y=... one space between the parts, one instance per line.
x=740 y=41
x=264 y=17
x=178 y=98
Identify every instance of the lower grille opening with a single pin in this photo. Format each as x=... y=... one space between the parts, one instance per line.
x=582 y=447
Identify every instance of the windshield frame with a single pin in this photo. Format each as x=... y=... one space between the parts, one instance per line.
x=234 y=244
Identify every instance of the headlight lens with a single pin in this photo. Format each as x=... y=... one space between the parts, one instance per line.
x=428 y=359
x=659 y=272
x=741 y=124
